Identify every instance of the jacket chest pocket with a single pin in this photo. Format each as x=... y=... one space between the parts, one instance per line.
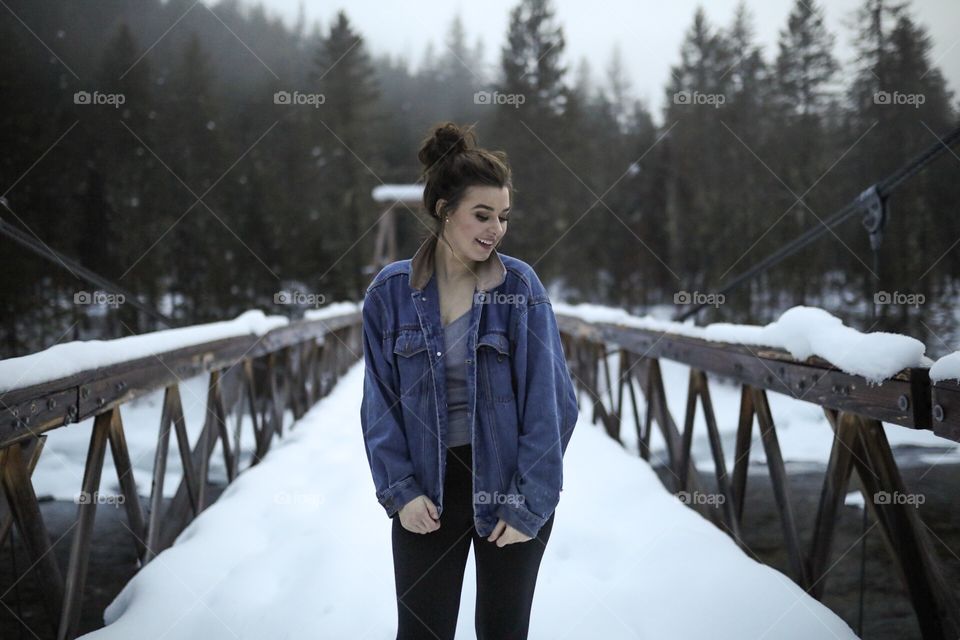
x=413 y=363
x=496 y=367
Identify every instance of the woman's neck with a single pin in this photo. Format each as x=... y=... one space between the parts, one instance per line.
x=450 y=267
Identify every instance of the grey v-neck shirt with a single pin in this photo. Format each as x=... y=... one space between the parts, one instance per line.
x=455 y=362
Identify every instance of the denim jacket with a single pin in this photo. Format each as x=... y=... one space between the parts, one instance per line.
x=521 y=399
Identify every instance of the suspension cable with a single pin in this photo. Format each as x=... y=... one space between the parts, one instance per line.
x=881 y=190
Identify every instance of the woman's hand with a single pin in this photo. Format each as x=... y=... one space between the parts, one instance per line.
x=420 y=515
x=503 y=534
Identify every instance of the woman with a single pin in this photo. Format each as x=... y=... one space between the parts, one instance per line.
x=467 y=405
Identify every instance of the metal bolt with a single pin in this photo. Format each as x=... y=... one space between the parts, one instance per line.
x=938 y=413
x=903 y=402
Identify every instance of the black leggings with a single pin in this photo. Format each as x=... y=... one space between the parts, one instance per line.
x=429 y=569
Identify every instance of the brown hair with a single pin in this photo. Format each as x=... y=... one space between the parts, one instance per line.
x=452 y=162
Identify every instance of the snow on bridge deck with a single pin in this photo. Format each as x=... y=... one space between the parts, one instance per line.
x=298 y=547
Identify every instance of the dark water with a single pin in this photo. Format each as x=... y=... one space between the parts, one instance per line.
x=113 y=561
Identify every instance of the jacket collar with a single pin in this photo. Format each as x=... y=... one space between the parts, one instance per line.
x=490 y=273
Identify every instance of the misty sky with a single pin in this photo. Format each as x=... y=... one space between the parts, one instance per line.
x=649 y=33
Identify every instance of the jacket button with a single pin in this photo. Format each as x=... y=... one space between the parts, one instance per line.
x=438 y=353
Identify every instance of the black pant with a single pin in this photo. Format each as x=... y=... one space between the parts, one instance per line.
x=429 y=569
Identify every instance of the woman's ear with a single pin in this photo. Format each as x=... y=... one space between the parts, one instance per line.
x=440 y=204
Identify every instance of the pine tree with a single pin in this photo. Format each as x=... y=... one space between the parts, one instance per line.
x=805 y=63
x=198 y=241
x=902 y=96
x=343 y=124
x=533 y=124
x=742 y=207
x=696 y=144
x=802 y=150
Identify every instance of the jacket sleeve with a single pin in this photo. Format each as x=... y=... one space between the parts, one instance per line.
x=548 y=411
x=381 y=418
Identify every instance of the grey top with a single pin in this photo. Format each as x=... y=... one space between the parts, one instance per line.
x=455 y=361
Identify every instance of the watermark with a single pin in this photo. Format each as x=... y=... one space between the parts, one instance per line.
x=895 y=97
x=696 y=297
x=497 y=297
x=99 y=297
x=97 y=98
x=485 y=497
x=695 y=97
x=96 y=497
x=495 y=97
x=296 y=98
x=696 y=497
x=299 y=298
x=897 y=297
x=885 y=497
x=298 y=499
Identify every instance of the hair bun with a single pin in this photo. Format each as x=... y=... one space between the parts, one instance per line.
x=445 y=142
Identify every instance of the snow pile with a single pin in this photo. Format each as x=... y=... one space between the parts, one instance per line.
x=62 y=360
x=946 y=368
x=298 y=547
x=394 y=192
x=802 y=331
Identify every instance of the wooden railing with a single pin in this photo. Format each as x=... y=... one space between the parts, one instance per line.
x=854 y=409
x=289 y=367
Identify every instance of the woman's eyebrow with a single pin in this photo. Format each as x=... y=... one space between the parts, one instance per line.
x=488 y=207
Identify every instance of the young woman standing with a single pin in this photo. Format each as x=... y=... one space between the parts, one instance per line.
x=468 y=404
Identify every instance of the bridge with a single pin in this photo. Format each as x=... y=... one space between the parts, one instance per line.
x=297 y=542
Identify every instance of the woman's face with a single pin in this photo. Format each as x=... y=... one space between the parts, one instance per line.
x=479 y=223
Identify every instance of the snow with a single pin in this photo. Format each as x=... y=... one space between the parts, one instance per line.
x=299 y=547
x=946 y=368
x=394 y=192
x=65 y=359
x=854 y=499
x=802 y=331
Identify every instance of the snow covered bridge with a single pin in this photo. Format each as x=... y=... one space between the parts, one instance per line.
x=649 y=541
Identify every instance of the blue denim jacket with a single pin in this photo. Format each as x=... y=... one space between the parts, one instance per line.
x=521 y=398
